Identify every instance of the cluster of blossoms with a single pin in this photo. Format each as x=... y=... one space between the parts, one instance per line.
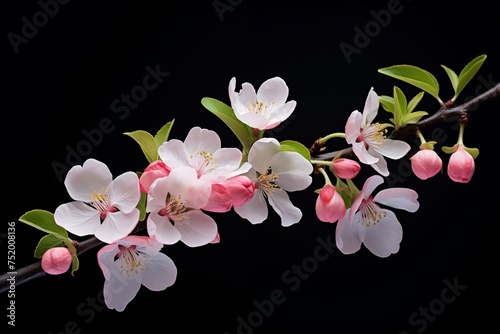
x=197 y=176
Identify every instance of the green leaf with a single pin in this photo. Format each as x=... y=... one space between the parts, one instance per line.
x=415 y=76
x=472 y=151
x=147 y=143
x=226 y=114
x=387 y=103
x=75 y=263
x=142 y=206
x=44 y=221
x=413 y=117
x=162 y=134
x=468 y=73
x=295 y=146
x=47 y=242
x=414 y=102
x=400 y=104
x=453 y=77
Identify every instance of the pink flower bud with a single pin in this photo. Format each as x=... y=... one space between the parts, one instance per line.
x=219 y=200
x=461 y=165
x=240 y=188
x=345 y=168
x=56 y=260
x=330 y=206
x=426 y=163
x=155 y=170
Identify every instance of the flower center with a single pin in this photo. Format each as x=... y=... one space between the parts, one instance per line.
x=174 y=209
x=374 y=135
x=260 y=108
x=203 y=161
x=371 y=213
x=100 y=202
x=131 y=262
x=267 y=182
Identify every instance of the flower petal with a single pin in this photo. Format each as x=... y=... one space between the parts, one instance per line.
x=199 y=139
x=255 y=210
x=281 y=203
x=125 y=192
x=370 y=110
x=173 y=154
x=393 y=149
x=82 y=181
x=279 y=114
x=273 y=91
x=161 y=229
x=364 y=155
x=353 y=127
x=117 y=225
x=119 y=291
x=293 y=171
x=383 y=239
x=398 y=198
x=347 y=235
x=197 y=228
x=78 y=218
x=160 y=272
x=262 y=152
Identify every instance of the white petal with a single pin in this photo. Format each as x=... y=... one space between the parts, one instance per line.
x=106 y=258
x=381 y=165
x=281 y=203
x=347 y=235
x=125 y=192
x=273 y=91
x=78 y=218
x=398 y=198
x=383 y=239
x=173 y=154
x=255 y=210
x=161 y=229
x=281 y=113
x=371 y=183
x=353 y=127
x=117 y=225
x=293 y=170
x=160 y=272
x=244 y=168
x=199 y=139
x=119 y=291
x=256 y=121
x=82 y=181
x=393 y=149
x=231 y=90
x=262 y=152
x=184 y=182
x=197 y=228
x=157 y=195
x=370 y=110
x=363 y=154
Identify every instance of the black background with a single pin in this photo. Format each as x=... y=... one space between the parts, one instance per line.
x=64 y=79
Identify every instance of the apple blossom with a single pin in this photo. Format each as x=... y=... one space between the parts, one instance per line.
x=461 y=165
x=202 y=151
x=56 y=260
x=369 y=141
x=264 y=109
x=131 y=262
x=102 y=206
x=345 y=168
x=365 y=222
x=174 y=204
x=426 y=163
x=235 y=191
x=330 y=205
x=275 y=173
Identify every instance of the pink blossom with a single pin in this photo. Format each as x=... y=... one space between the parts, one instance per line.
x=154 y=170
x=330 y=206
x=56 y=260
x=131 y=262
x=378 y=228
x=345 y=168
x=461 y=165
x=426 y=163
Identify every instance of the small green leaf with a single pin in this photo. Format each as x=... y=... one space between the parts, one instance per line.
x=415 y=76
x=226 y=114
x=47 y=242
x=453 y=77
x=295 y=146
x=387 y=103
x=75 y=264
x=162 y=134
x=472 y=151
x=400 y=104
x=142 y=206
x=413 y=117
x=414 y=102
x=44 y=221
x=448 y=149
x=468 y=73
x=147 y=143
